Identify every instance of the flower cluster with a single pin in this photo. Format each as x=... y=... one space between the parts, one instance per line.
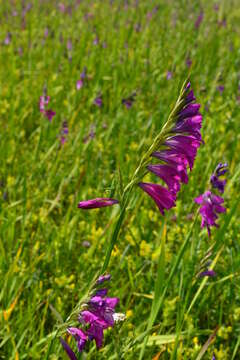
x=177 y=153
x=211 y=204
x=217 y=183
x=43 y=102
x=97 y=316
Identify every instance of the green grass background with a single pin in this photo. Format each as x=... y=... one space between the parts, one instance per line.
x=43 y=263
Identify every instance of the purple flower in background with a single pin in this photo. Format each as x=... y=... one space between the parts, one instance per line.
x=80 y=82
x=43 y=102
x=220 y=88
x=96 y=41
x=8 y=38
x=49 y=114
x=169 y=75
x=209 y=273
x=103 y=278
x=188 y=62
x=211 y=206
x=46 y=32
x=222 y=23
x=178 y=153
x=64 y=132
x=61 y=7
x=220 y=170
x=69 y=45
x=96 y=203
x=213 y=358
x=129 y=101
x=98 y=101
x=98 y=315
x=199 y=20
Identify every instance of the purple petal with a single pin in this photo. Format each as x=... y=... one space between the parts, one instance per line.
x=112 y=302
x=101 y=292
x=97 y=203
x=209 y=273
x=189 y=111
x=162 y=197
x=68 y=350
x=103 y=278
x=168 y=174
x=79 y=84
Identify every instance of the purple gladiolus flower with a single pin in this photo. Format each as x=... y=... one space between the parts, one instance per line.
x=210 y=207
x=80 y=82
x=209 y=273
x=96 y=203
x=97 y=316
x=49 y=114
x=188 y=62
x=103 y=278
x=64 y=133
x=68 y=350
x=220 y=88
x=98 y=101
x=163 y=198
x=220 y=170
x=181 y=144
x=199 y=20
x=80 y=337
x=169 y=75
x=129 y=101
x=8 y=38
x=43 y=102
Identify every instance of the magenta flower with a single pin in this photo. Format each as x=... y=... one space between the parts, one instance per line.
x=8 y=38
x=169 y=75
x=96 y=203
x=103 y=278
x=98 y=101
x=49 y=114
x=80 y=337
x=209 y=273
x=43 y=102
x=128 y=102
x=80 y=82
x=199 y=20
x=178 y=153
x=97 y=316
x=220 y=170
x=210 y=207
x=163 y=198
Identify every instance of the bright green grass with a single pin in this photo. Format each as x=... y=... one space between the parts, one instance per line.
x=43 y=264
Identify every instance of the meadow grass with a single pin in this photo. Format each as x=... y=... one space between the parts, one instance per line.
x=45 y=265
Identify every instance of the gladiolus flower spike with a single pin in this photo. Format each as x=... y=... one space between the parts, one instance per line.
x=211 y=204
x=98 y=315
x=176 y=147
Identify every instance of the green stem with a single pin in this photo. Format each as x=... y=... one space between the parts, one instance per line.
x=50 y=345
x=155 y=309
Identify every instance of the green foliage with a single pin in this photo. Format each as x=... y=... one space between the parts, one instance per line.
x=45 y=267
